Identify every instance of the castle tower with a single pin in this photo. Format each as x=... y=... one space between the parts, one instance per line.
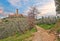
x=17 y=11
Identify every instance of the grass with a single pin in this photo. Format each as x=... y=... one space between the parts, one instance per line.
x=46 y=26
x=20 y=37
x=58 y=39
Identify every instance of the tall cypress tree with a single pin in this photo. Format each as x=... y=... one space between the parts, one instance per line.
x=57 y=2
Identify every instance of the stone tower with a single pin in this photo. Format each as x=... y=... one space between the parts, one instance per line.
x=17 y=11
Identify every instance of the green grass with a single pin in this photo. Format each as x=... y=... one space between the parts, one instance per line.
x=20 y=37
x=58 y=39
x=46 y=26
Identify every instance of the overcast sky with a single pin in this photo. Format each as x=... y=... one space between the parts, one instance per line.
x=44 y=6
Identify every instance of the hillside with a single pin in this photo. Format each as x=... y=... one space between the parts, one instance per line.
x=12 y=26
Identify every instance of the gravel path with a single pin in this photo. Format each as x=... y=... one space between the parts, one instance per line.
x=43 y=35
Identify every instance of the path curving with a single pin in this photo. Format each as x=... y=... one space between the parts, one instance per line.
x=43 y=35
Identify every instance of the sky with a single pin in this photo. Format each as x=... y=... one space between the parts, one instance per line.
x=46 y=7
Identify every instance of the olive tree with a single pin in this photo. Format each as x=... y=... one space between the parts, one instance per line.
x=32 y=16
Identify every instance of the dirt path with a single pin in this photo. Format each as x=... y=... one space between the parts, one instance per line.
x=42 y=35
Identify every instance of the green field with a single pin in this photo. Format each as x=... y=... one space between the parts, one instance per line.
x=20 y=37
x=46 y=26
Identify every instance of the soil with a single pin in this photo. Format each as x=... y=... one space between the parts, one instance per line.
x=43 y=35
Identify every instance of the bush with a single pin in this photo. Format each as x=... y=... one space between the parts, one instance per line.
x=13 y=26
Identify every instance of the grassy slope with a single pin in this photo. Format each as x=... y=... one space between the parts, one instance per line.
x=46 y=26
x=19 y=37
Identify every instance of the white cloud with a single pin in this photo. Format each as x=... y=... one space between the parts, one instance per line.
x=15 y=3
x=48 y=9
x=1 y=9
x=42 y=2
x=25 y=0
x=2 y=13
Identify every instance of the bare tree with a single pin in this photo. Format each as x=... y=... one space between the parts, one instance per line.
x=32 y=16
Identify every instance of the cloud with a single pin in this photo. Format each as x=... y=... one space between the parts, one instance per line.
x=16 y=3
x=1 y=9
x=45 y=8
x=25 y=0
x=43 y=2
x=2 y=13
x=48 y=9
